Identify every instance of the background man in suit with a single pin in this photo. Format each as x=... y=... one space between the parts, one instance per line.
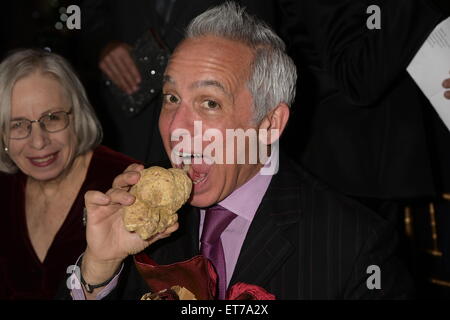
x=363 y=126
x=368 y=125
x=289 y=234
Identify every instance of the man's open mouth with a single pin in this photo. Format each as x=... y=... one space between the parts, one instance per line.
x=195 y=164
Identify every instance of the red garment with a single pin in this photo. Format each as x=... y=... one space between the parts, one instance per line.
x=22 y=275
x=196 y=275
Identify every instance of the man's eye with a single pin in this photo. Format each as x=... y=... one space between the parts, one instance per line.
x=170 y=98
x=211 y=104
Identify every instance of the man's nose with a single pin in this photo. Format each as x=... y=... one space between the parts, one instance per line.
x=39 y=137
x=183 y=118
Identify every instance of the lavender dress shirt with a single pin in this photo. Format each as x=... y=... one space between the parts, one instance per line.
x=244 y=202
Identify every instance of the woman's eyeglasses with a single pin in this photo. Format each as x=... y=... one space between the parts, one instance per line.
x=51 y=122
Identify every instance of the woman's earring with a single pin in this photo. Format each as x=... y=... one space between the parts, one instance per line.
x=6 y=149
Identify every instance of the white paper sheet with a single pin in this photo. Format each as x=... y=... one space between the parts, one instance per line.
x=431 y=66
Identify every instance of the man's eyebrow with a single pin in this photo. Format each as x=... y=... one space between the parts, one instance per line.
x=168 y=79
x=200 y=84
x=210 y=83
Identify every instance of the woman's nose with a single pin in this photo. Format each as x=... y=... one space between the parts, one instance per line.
x=38 y=136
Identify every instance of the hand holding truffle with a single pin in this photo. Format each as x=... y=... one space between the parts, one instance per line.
x=108 y=240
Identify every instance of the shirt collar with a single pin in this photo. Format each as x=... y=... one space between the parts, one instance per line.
x=245 y=200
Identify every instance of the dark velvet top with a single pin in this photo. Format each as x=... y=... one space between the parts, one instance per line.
x=22 y=275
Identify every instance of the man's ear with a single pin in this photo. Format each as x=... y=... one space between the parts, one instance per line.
x=275 y=122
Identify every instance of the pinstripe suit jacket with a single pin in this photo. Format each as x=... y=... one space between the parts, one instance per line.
x=305 y=242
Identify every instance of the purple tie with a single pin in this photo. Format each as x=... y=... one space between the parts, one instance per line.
x=216 y=220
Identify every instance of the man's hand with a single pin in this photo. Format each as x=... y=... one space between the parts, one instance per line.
x=446 y=84
x=117 y=64
x=108 y=242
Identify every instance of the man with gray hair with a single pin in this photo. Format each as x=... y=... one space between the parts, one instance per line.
x=280 y=232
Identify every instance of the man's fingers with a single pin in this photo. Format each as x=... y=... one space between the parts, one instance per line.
x=129 y=62
x=118 y=78
x=446 y=84
x=128 y=68
x=166 y=233
x=131 y=67
x=100 y=206
x=93 y=199
x=118 y=64
x=129 y=177
x=130 y=82
x=119 y=196
x=115 y=74
x=106 y=68
x=134 y=167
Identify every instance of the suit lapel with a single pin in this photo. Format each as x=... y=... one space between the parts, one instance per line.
x=190 y=226
x=266 y=245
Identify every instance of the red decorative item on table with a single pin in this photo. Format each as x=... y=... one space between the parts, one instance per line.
x=195 y=277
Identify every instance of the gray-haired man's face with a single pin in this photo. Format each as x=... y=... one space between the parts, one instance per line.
x=205 y=83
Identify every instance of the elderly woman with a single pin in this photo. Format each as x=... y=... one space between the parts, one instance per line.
x=49 y=157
